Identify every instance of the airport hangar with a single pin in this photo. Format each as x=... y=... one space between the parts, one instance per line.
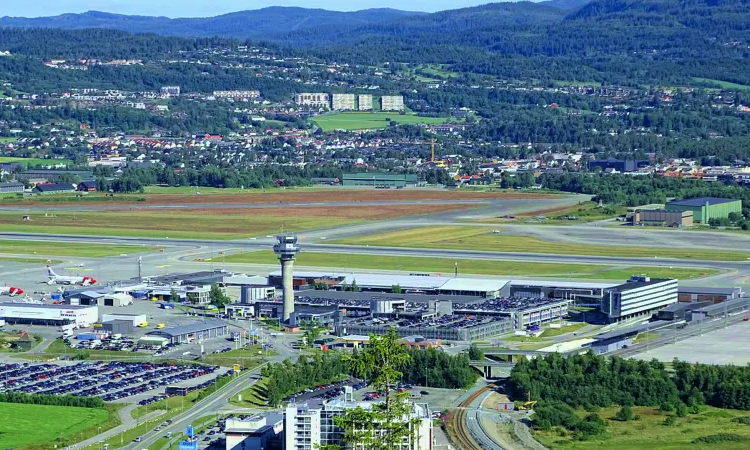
x=194 y=332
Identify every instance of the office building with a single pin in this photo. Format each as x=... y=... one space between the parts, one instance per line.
x=317 y=100
x=392 y=103
x=364 y=102
x=307 y=428
x=342 y=102
x=707 y=208
x=638 y=296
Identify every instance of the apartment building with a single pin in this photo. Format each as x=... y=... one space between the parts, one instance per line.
x=237 y=94
x=364 y=102
x=392 y=103
x=343 y=102
x=318 y=99
x=171 y=91
x=307 y=428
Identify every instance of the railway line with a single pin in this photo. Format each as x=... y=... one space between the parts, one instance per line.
x=458 y=422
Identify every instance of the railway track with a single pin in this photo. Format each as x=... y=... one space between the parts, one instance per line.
x=465 y=441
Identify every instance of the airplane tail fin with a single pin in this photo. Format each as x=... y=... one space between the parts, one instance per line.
x=50 y=273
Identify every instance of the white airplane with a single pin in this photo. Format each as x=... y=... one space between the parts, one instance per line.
x=10 y=290
x=53 y=278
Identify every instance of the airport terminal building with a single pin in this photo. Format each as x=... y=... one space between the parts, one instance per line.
x=45 y=314
x=639 y=296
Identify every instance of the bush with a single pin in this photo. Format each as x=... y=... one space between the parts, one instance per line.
x=666 y=407
x=625 y=414
x=681 y=410
x=744 y=420
x=719 y=438
x=670 y=421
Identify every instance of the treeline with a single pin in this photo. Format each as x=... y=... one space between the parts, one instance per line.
x=589 y=381
x=621 y=189
x=54 y=400
x=423 y=367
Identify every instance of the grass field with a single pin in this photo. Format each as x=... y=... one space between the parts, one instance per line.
x=724 y=84
x=564 y=215
x=649 y=433
x=552 y=332
x=252 y=397
x=246 y=357
x=34 y=161
x=465 y=266
x=368 y=121
x=41 y=426
x=478 y=238
x=83 y=250
x=19 y=259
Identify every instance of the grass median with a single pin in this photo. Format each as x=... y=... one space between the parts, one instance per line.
x=74 y=249
x=465 y=266
x=481 y=238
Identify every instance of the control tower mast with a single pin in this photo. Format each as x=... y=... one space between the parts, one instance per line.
x=286 y=247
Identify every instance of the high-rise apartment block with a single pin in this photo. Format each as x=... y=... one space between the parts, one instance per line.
x=343 y=102
x=318 y=100
x=392 y=103
x=364 y=102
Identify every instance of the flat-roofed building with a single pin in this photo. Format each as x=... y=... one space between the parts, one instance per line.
x=315 y=99
x=343 y=102
x=663 y=218
x=707 y=208
x=392 y=103
x=364 y=102
x=638 y=296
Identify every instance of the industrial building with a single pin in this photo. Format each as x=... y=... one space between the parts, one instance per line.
x=123 y=327
x=380 y=180
x=307 y=428
x=718 y=310
x=343 y=102
x=97 y=297
x=364 y=102
x=258 y=432
x=392 y=103
x=618 y=165
x=707 y=208
x=194 y=332
x=134 y=319
x=317 y=100
x=638 y=296
x=663 y=218
x=707 y=294
x=43 y=314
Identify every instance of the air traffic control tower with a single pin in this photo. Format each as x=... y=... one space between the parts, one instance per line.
x=286 y=247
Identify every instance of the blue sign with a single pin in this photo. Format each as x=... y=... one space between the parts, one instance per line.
x=188 y=445
x=190 y=431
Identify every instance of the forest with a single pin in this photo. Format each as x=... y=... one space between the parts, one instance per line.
x=435 y=368
x=563 y=383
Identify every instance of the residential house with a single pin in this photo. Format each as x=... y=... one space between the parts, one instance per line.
x=86 y=186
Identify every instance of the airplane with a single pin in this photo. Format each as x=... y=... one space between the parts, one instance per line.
x=53 y=278
x=12 y=290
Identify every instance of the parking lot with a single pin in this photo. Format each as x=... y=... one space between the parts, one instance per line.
x=111 y=381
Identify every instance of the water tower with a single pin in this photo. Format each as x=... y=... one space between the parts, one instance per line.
x=286 y=247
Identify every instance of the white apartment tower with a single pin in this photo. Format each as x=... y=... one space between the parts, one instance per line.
x=343 y=102
x=364 y=102
x=308 y=428
x=392 y=103
x=317 y=100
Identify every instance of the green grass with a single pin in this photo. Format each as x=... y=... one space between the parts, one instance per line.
x=648 y=433
x=552 y=332
x=23 y=260
x=176 y=224
x=252 y=397
x=645 y=337
x=724 y=84
x=465 y=266
x=478 y=238
x=681 y=273
x=45 y=426
x=32 y=161
x=366 y=121
x=58 y=348
x=84 y=250
x=582 y=213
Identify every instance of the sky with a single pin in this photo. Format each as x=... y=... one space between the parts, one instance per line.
x=205 y=8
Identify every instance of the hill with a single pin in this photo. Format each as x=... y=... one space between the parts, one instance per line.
x=253 y=24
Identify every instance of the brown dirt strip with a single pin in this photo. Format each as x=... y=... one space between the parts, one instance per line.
x=344 y=212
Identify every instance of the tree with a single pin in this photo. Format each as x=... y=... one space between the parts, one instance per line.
x=625 y=414
x=396 y=289
x=475 y=353
x=218 y=297
x=681 y=410
x=312 y=330
x=173 y=295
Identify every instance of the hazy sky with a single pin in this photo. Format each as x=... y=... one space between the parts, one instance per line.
x=202 y=8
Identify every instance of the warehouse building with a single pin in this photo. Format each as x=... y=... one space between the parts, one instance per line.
x=707 y=294
x=719 y=310
x=123 y=327
x=42 y=314
x=707 y=208
x=663 y=218
x=379 y=180
x=639 y=296
x=134 y=319
x=194 y=332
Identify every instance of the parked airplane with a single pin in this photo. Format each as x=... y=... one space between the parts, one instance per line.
x=12 y=290
x=53 y=278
